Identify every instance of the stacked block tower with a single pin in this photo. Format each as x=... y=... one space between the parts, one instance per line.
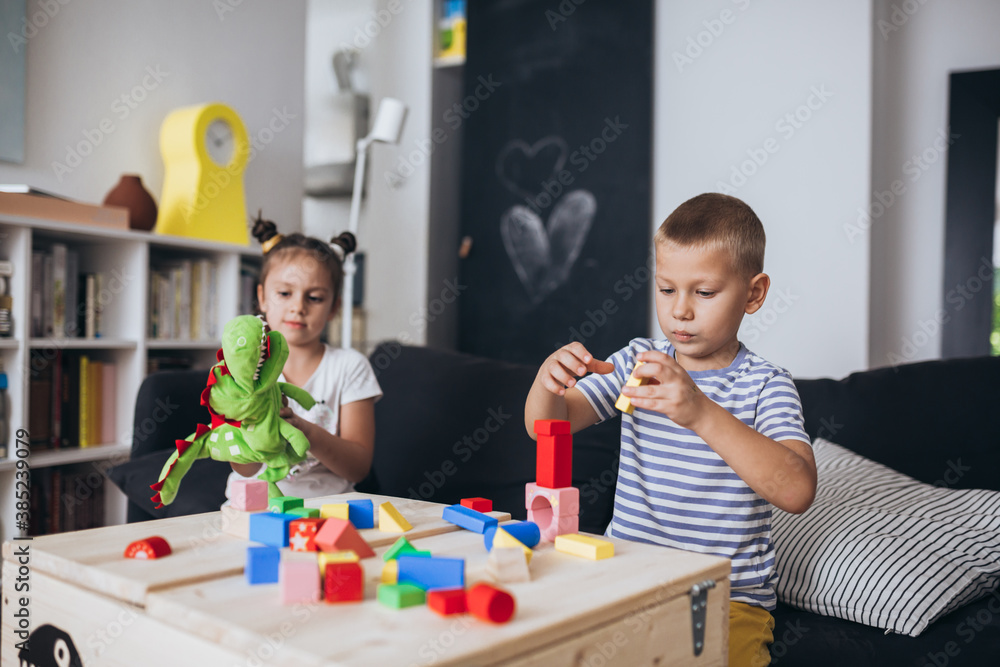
x=551 y=500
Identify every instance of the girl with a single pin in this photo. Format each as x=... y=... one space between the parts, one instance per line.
x=299 y=293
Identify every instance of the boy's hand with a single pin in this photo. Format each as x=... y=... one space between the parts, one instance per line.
x=670 y=390
x=565 y=365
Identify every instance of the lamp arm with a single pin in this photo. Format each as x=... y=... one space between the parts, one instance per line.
x=347 y=295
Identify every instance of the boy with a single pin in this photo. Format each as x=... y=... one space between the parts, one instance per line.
x=716 y=436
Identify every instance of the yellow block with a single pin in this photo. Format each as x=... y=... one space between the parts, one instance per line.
x=585 y=546
x=504 y=539
x=390 y=572
x=624 y=403
x=390 y=520
x=325 y=558
x=336 y=511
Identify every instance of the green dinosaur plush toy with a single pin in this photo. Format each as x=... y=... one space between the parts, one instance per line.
x=244 y=397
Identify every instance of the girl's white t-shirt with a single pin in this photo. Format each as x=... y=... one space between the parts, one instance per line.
x=343 y=376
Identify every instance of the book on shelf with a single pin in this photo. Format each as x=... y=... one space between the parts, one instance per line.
x=59 y=288
x=58 y=295
x=107 y=403
x=184 y=301
x=66 y=498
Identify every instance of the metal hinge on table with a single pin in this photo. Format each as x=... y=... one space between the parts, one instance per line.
x=699 y=607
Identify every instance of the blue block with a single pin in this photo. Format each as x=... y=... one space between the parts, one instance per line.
x=269 y=528
x=262 y=565
x=467 y=518
x=526 y=532
x=431 y=572
x=361 y=513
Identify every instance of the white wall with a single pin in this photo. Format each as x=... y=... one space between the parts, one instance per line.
x=912 y=64
x=87 y=55
x=766 y=60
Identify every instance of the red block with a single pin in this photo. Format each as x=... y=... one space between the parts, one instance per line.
x=344 y=582
x=554 y=469
x=341 y=535
x=478 y=504
x=490 y=603
x=551 y=427
x=447 y=601
x=151 y=547
x=302 y=534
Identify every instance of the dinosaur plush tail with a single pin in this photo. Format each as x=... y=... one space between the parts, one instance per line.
x=188 y=451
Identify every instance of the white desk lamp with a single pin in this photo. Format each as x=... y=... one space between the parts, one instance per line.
x=386 y=129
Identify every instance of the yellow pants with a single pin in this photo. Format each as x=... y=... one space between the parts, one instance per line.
x=751 y=631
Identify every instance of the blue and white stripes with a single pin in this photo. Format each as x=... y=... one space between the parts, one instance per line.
x=674 y=490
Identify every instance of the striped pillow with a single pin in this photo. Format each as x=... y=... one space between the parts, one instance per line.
x=882 y=549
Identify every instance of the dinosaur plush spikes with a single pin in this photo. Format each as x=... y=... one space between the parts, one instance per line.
x=243 y=397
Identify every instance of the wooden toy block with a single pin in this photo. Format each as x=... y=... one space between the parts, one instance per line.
x=467 y=518
x=553 y=526
x=508 y=565
x=269 y=528
x=563 y=501
x=299 y=580
x=390 y=520
x=400 y=596
x=390 y=572
x=490 y=603
x=281 y=504
x=324 y=558
x=431 y=572
x=249 y=495
x=236 y=522
x=447 y=601
x=340 y=535
x=304 y=512
x=624 y=403
x=335 y=511
x=478 y=504
x=551 y=427
x=302 y=534
x=151 y=547
x=262 y=565
x=585 y=546
x=402 y=547
x=525 y=532
x=362 y=513
x=344 y=582
x=502 y=540
x=554 y=461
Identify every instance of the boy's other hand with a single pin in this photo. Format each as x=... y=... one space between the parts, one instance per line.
x=669 y=390
x=561 y=370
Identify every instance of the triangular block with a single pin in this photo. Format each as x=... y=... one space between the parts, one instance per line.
x=341 y=535
x=390 y=520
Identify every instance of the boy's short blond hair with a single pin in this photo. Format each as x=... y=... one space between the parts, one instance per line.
x=714 y=220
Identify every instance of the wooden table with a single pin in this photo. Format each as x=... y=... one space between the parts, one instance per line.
x=195 y=608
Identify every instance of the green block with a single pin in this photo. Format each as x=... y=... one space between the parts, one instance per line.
x=400 y=596
x=281 y=504
x=304 y=512
x=400 y=547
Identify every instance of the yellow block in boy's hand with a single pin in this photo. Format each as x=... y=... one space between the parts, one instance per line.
x=624 y=403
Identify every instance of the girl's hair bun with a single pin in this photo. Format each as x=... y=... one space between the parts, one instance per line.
x=263 y=230
x=346 y=241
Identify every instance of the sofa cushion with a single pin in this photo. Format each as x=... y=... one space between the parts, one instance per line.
x=451 y=426
x=882 y=549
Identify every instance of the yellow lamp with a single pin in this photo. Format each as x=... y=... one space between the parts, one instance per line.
x=205 y=151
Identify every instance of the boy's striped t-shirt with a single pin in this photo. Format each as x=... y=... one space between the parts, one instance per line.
x=674 y=490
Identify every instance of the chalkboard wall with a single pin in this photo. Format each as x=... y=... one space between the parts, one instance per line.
x=556 y=169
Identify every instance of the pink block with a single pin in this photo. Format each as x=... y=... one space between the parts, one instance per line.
x=552 y=526
x=249 y=495
x=299 y=580
x=563 y=501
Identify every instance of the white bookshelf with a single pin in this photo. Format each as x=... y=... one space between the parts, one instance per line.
x=132 y=255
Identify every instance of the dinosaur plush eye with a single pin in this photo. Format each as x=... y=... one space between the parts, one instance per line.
x=241 y=341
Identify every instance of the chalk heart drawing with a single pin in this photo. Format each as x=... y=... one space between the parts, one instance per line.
x=543 y=255
x=522 y=168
